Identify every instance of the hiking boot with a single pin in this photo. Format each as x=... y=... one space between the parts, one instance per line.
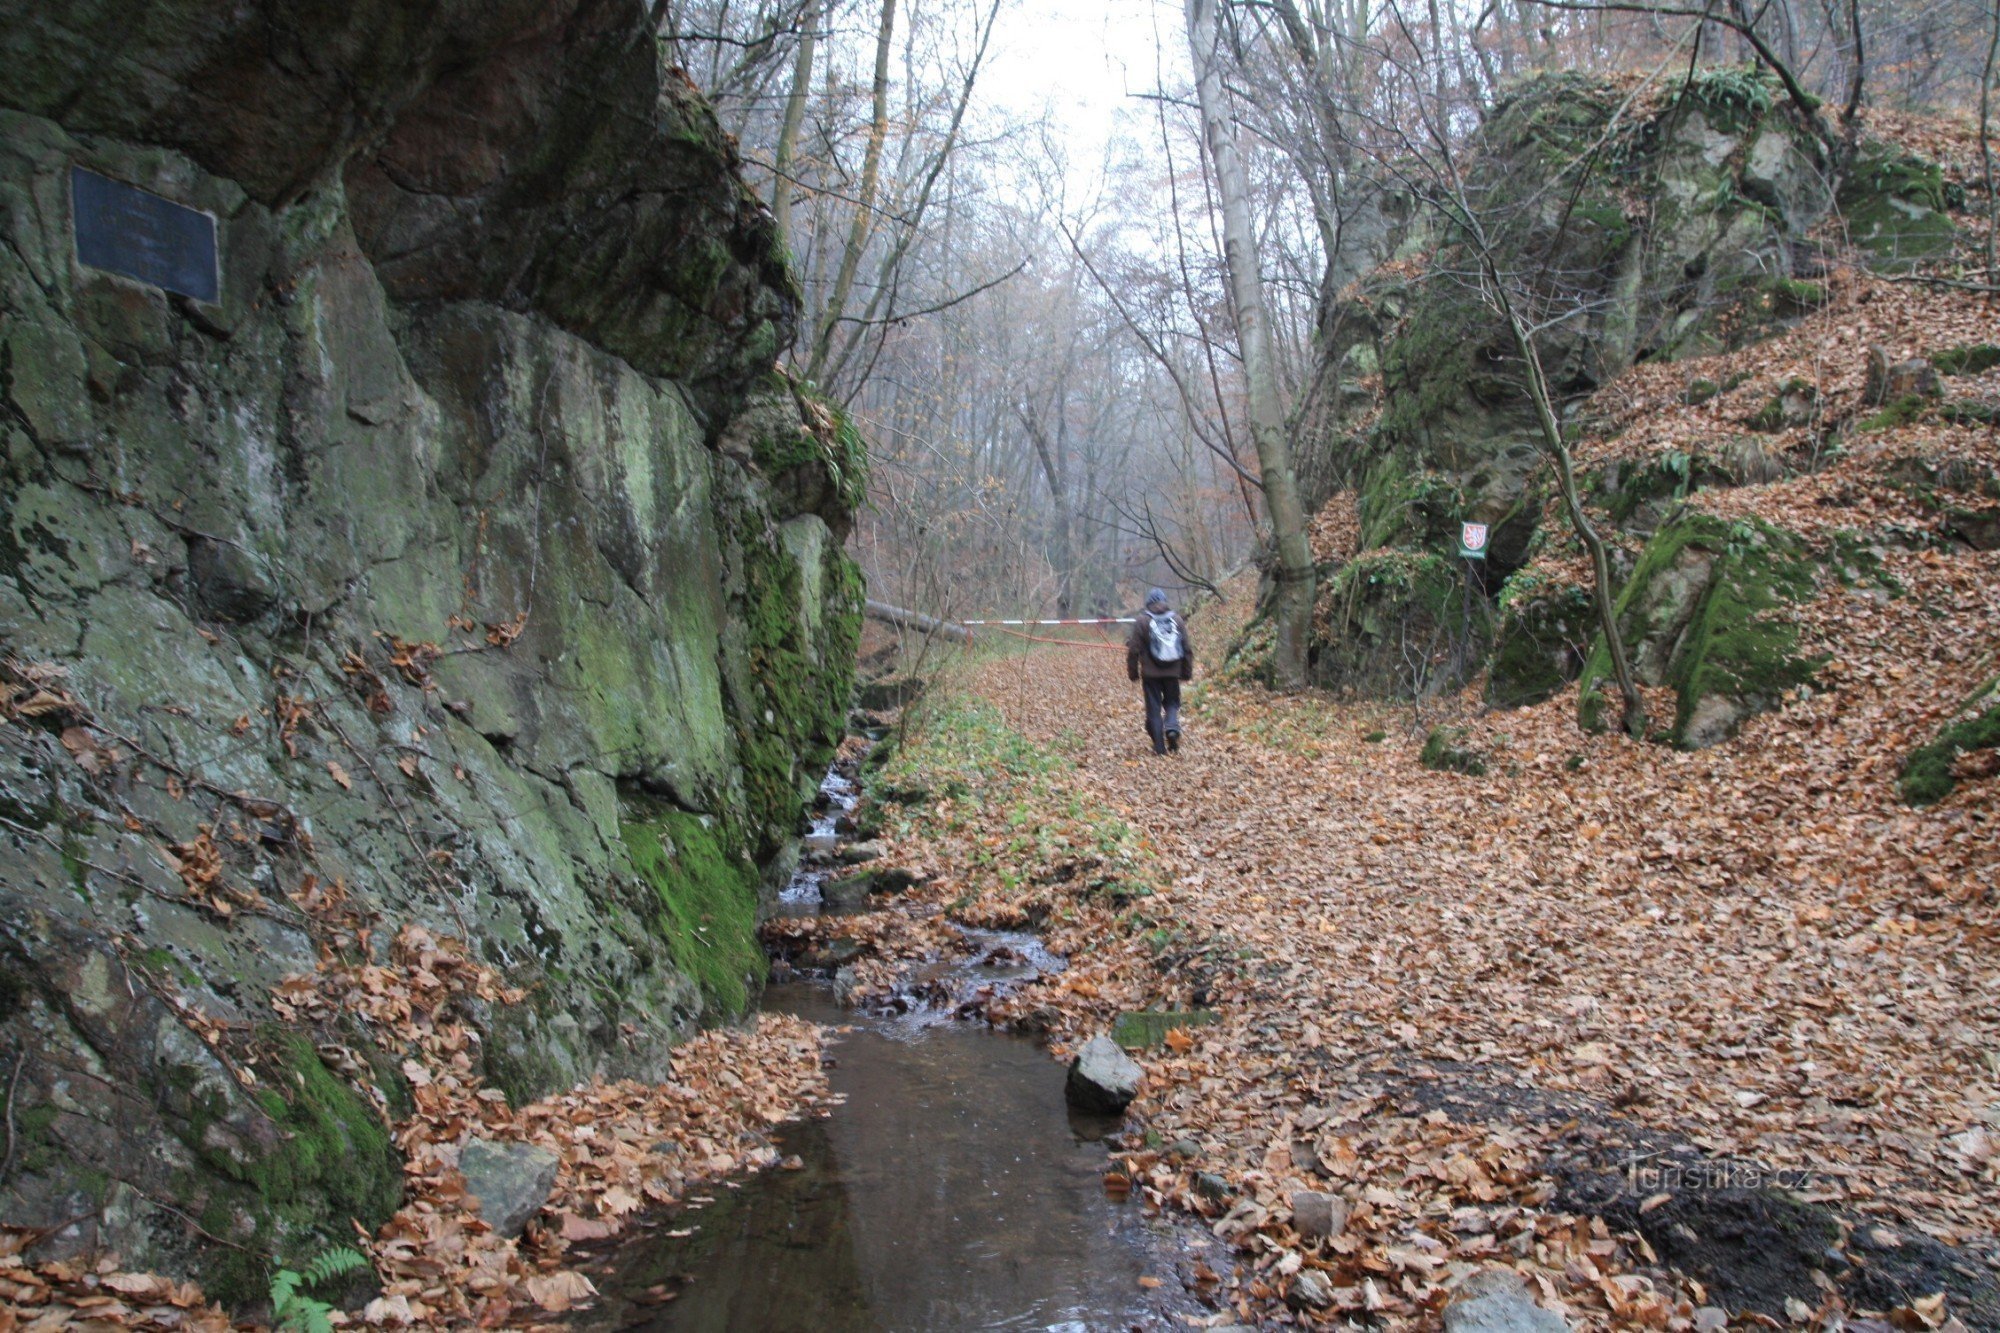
x=1174 y=741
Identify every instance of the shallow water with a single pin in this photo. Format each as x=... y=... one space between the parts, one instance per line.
x=953 y=1190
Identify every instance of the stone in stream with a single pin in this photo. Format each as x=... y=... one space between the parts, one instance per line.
x=1317 y=1215
x=848 y=892
x=855 y=853
x=1211 y=1186
x=1497 y=1301
x=511 y=1181
x=1102 y=1078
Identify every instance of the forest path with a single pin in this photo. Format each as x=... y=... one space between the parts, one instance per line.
x=1749 y=949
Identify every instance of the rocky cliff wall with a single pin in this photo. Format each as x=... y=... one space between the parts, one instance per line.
x=465 y=558
x=1635 y=226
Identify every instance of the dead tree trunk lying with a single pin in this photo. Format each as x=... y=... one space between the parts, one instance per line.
x=916 y=620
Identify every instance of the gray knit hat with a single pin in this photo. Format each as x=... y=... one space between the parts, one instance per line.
x=1157 y=597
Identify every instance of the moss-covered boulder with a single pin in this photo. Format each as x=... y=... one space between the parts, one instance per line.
x=1896 y=207
x=1967 y=745
x=1446 y=751
x=1544 y=636
x=1705 y=612
x=1398 y=624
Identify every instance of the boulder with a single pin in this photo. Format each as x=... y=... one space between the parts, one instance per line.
x=857 y=853
x=1497 y=1301
x=1103 y=1079
x=1704 y=612
x=849 y=893
x=1317 y=1215
x=511 y=1181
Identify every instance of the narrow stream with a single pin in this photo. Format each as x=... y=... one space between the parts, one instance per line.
x=954 y=1189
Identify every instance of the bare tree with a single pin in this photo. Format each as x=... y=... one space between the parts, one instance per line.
x=1293 y=573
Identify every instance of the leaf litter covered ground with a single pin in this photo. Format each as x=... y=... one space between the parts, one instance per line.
x=1434 y=990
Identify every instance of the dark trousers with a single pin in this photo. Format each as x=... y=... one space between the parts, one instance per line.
x=1163 y=709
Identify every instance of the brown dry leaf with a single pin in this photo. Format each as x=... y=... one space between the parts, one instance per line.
x=559 y=1291
x=340 y=775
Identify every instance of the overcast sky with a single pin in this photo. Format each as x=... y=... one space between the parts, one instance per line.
x=1080 y=60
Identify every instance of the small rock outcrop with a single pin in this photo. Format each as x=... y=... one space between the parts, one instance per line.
x=511 y=1181
x=1497 y=1301
x=1103 y=1080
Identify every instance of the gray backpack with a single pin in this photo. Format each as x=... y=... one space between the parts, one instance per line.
x=1163 y=634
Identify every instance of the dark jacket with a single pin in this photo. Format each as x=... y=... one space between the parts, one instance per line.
x=1139 y=652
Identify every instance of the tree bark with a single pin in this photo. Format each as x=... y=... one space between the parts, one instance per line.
x=864 y=210
x=1292 y=602
x=782 y=184
x=1634 y=720
x=916 y=620
x=1986 y=84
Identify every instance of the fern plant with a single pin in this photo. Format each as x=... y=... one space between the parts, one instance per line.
x=292 y=1309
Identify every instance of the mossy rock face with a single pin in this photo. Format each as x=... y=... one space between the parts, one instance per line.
x=1734 y=187
x=1544 y=636
x=482 y=457
x=705 y=891
x=1970 y=739
x=1382 y=608
x=1704 y=612
x=1445 y=751
x=1895 y=204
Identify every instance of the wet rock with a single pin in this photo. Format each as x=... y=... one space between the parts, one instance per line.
x=1496 y=1301
x=1310 y=1290
x=1318 y=1215
x=821 y=844
x=848 y=893
x=511 y=1181
x=855 y=854
x=895 y=879
x=1103 y=1078
x=1210 y=1186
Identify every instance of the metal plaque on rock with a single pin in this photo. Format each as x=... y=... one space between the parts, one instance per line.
x=123 y=229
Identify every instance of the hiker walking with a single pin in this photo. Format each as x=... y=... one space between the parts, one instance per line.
x=1159 y=656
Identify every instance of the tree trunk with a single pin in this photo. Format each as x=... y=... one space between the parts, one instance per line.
x=1552 y=439
x=1986 y=85
x=788 y=132
x=864 y=208
x=1292 y=603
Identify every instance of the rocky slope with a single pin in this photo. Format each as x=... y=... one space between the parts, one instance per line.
x=464 y=563
x=1690 y=246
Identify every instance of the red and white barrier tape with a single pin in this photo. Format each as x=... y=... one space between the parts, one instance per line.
x=1109 y=620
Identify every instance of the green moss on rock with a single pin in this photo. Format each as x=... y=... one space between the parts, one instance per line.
x=706 y=890
x=1972 y=359
x=1539 y=647
x=1895 y=205
x=1445 y=751
x=333 y=1166
x=1929 y=774
x=1380 y=604
x=1704 y=612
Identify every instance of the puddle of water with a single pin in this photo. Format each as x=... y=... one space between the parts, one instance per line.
x=953 y=1190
